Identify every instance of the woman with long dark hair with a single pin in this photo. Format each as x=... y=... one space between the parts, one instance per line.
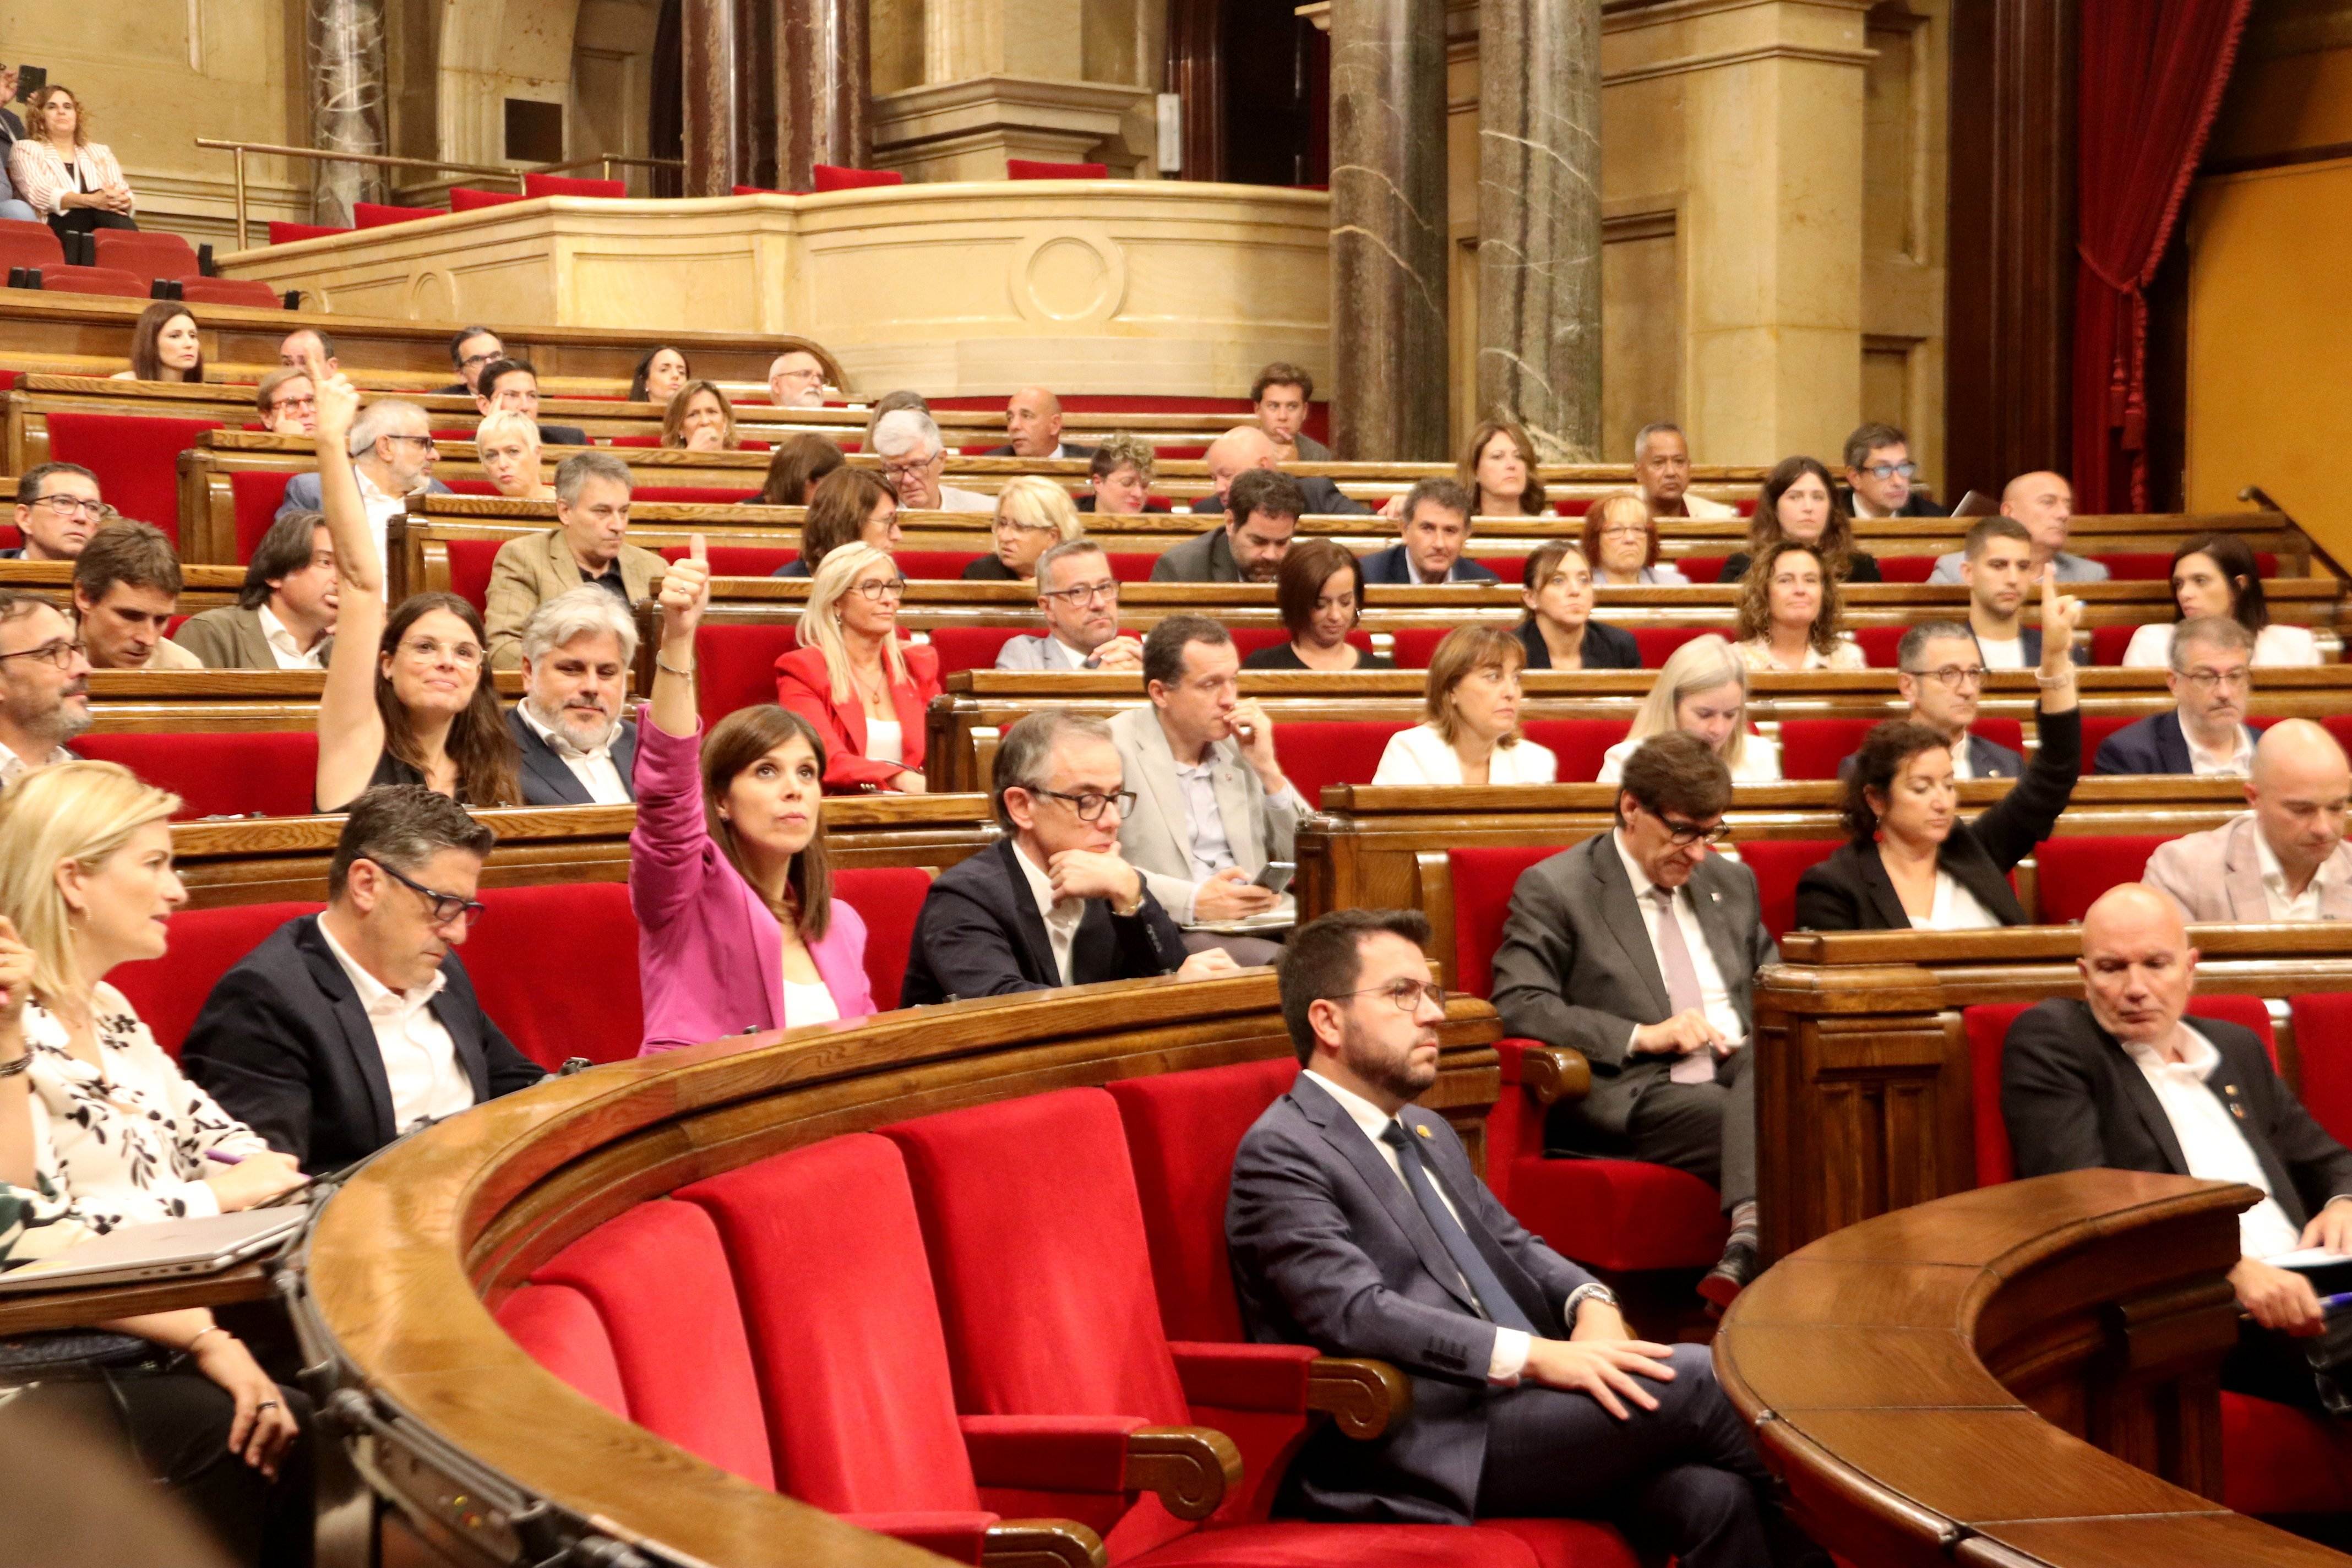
x=164 y=345
x=659 y=376
x=2217 y=574
x=1799 y=501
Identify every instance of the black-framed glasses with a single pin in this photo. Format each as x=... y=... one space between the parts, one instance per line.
x=447 y=907
x=1089 y=805
x=1883 y=471
x=71 y=506
x=882 y=588
x=1404 y=995
x=420 y=440
x=472 y=360
x=1952 y=675
x=1683 y=834
x=61 y=652
x=1084 y=593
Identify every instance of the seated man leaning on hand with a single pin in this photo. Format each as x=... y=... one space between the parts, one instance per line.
x=126 y=588
x=1212 y=806
x=588 y=544
x=1357 y=1225
x=346 y=1028
x=1080 y=597
x=2123 y=1080
x=2286 y=858
x=575 y=747
x=1052 y=903
x=1640 y=949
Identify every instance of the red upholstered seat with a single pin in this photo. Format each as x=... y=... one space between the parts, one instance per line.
x=170 y=991
x=2097 y=728
x=292 y=233
x=1777 y=863
x=936 y=565
x=559 y=1328
x=2276 y=1459
x=887 y=897
x=1878 y=644
x=602 y=1015
x=267 y=773
x=559 y=185
x=105 y=280
x=34 y=246
x=466 y=198
x=256 y=497
x=1700 y=569
x=738 y=665
x=135 y=458
x=2108 y=643
x=1315 y=753
x=1906 y=569
x=376 y=215
x=2074 y=869
x=1579 y=744
x=2323 y=1040
x=470 y=561
x=1812 y=747
x=1482 y=880
x=832 y=177
x=691 y=495
x=1658 y=643
x=1032 y=169
x=740 y=560
x=659 y=1280
x=148 y=252
x=970 y=648
x=1132 y=565
x=247 y=291
x=1415 y=646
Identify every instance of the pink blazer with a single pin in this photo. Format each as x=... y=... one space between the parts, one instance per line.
x=710 y=957
x=804 y=686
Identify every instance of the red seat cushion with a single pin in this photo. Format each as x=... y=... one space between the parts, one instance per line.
x=936 y=565
x=1812 y=747
x=558 y=1328
x=1699 y=569
x=1906 y=569
x=376 y=215
x=1033 y=169
x=1777 y=863
x=470 y=561
x=26 y=243
x=170 y=991
x=692 y=495
x=135 y=458
x=1623 y=1216
x=832 y=177
x=2323 y=1038
x=271 y=773
x=256 y=497
x=2276 y=1459
x=1878 y=644
x=1578 y=743
x=970 y=648
x=250 y=291
x=2108 y=643
x=887 y=897
x=467 y=199
x=1482 y=881
x=1131 y=566
x=1316 y=752
x=1415 y=646
x=110 y=280
x=2097 y=728
x=2073 y=869
x=559 y=185
x=1658 y=643
x=659 y=1280
x=1296 y=1543
x=738 y=665
x=591 y=924
x=149 y=252
x=290 y=233
x=738 y=560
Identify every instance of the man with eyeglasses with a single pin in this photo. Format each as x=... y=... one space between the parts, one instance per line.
x=2286 y=858
x=2211 y=678
x=58 y=509
x=469 y=351
x=1053 y=903
x=796 y=380
x=1880 y=475
x=1640 y=949
x=345 y=1029
x=1080 y=600
x=913 y=458
x=393 y=452
x=44 y=686
x=1940 y=676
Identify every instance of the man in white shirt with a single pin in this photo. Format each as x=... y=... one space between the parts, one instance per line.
x=913 y=458
x=2286 y=858
x=44 y=685
x=796 y=380
x=2122 y=1080
x=345 y=1029
x=576 y=748
x=2210 y=675
x=2044 y=503
x=1940 y=673
x=1661 y=467
x=284 y=617
x=1997 y=567
x=393 y=453
x=1033 y=419
x=1080 y=599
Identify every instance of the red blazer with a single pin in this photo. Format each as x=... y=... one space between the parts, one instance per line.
x=804 y=686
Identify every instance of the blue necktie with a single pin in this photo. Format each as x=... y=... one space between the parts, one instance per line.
x=1484 y=1282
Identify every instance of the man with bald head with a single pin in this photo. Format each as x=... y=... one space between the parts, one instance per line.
x=796 y=380
x=2284 y=860
x=1247 y=447
x=2124 y=1080
x=1033 y=417
x=2044 y=503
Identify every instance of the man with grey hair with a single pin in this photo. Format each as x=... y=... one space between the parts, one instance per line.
x=913 y=458
x=2204 y=734
x=576 y=748
x=1436 y=530
x=44 y=685
x=1940 y=672
x=796 y=380
x=1661 y=467
x=1053 y=903
x=1080 y=595
x=588 y=544
x=58 y=509
x=393 y=452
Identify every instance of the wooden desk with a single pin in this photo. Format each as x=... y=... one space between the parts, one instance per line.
x=201 y=587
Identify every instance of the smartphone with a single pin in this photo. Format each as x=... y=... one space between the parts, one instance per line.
x=1275 y=877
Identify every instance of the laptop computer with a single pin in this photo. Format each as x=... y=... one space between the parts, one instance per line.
x=163 y=1251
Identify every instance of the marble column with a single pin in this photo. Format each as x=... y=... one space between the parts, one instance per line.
x=1539 y=220
x=821 y=76
x=710 y=51
x=344 y=41
x=1387 y=230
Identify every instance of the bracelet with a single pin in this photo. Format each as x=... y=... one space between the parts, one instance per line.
x=663 y=664
x=2049 y=682
x=22 y=1064
x=190 y=1348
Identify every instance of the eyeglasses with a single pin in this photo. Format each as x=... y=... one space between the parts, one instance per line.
x=1952 y=677
x=471 y=360
x=73 y=506
x=431 y=651
x=447 y=908
x=895 y=471
x=1084 y=593
x=294 y=406
x=881 y=589
x=2207 y=680
x=1888 y=470
x=1405 y=994
x=1683 y=834
x=61 y=652
x=1626 y=531
x=1089 y=806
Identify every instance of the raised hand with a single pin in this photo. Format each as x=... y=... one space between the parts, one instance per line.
x=338 y=401
x=685 y=593
x=2061 y=613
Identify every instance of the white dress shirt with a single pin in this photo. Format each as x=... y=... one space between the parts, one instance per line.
x=594 y=768
x=2308 y=905
x=2210 y=1138
x=1964 y=767
x=1956 y=909
x=1759 y=761
x=420 y=1059
x=1715 y=996
x=381 y=510
x=1422 y=756
x=2238 y=763
x=14 y=767
x=2275 y=645
x=808 y=1001
x=2001 y=654
x=1062 y=916
x=884 y=741
x=1510 y=1357
x=283 y=645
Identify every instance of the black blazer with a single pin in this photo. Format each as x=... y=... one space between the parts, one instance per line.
x=989 y=568
x=1323 y=499
x=1086 y=503
x=1987 y=759
x=1850 y=889
x=1862 y=567
x=2075 y=1099
x=562 y=436
x=1605 y=647
x=980 y=934
x=548 y=780
x=2155 y=744
x=285 y=1047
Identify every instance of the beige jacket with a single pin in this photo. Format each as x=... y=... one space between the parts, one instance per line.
x=529 y=571
x=2217 y=875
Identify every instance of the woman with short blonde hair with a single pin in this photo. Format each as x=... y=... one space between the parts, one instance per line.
x=1703 y=692
x=1033 y=515
x=701 y=419
x=1472 y=732
x=866 y=693
x=507 y=445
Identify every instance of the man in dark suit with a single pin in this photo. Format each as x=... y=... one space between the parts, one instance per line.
x=2210 y=675
x=512 y=385
x=576 y=748
x=1246 y=446
x=1252 y=541
x=345 y=1029
x=1033 y=417
x=1879 y=475
x=1939 y=674
x=1436 y=532
x=1640 y=949
x=2123 y=1080
x=1053 y=903
x=1357 y=1224
x=469 y=351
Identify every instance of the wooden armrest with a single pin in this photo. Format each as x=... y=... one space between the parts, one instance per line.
x=79 y=1308
x=1042 y=1543
x=1362 y=1396
x=1553 y=1073
x=1190 y=1469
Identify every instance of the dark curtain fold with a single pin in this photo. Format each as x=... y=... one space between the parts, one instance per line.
x=2149 y=80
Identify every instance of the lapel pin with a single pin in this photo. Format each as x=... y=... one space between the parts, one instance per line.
x=2228 y=1088
x=1420 y=1128
x=2238 y=1111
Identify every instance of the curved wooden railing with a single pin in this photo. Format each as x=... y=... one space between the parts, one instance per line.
x=1931 y=1383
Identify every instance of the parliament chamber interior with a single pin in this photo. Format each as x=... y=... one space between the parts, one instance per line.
x=812 y=782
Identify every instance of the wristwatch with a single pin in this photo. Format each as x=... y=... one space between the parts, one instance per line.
x=1581 y=1295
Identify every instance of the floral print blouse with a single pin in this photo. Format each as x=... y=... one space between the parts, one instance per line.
x=130 y=1136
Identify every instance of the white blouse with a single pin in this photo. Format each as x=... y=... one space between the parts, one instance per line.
x=2151 y=647
x=1756 y=653
x=1954 y=908
x=808 y=1004
x=1759 y=764
x=884 y=741
x=1421 y=756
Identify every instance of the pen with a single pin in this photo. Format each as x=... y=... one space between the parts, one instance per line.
x=224 y=1159
x=2331 y=1303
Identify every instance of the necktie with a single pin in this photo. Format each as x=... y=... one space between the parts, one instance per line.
x=1682 y=986
x=1483 y=1281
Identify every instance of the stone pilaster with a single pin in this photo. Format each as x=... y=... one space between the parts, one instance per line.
x=345 y=57
x=821 y=80
x=1388 y=229
x=711 y=51
x=1539 y=220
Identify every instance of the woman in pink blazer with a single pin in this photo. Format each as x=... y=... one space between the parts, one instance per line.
x=738 y=927
x=864 y=690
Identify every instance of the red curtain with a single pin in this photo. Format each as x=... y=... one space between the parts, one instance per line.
x=2150 y=78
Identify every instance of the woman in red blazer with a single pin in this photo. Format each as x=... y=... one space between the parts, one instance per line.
x=852 y=677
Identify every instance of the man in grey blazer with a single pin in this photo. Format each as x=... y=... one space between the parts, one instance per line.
x=2286 y=859
x=1357 y=1224
x=284 y=617
x=1080 y=599
x=1640 y=949
x=1249 y=547
x=1212 y=806
x=1940 y=674
x=2044 y=503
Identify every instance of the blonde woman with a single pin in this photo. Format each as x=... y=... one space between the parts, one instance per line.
x=1702 y=691
x=1621 y=539
x=701 y=419
x=1033 y=515
x=509 y=447
x=1472 y=734
x=1787 y=615
x=852 y=679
